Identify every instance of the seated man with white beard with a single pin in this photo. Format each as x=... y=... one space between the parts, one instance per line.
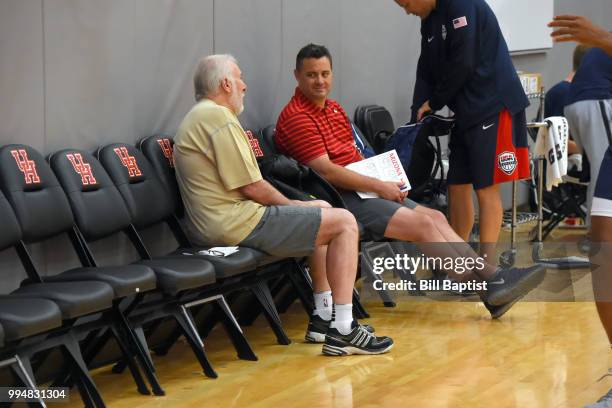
x=228 y=203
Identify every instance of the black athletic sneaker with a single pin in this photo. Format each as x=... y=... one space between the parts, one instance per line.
x=317 y=327
x=358 y=341
x=509 y=285
x=499 y=311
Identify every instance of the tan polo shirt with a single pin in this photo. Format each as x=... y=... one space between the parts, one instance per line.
x=213 y=158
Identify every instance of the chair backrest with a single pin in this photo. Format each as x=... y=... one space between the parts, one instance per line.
x=378 y=127
x=147 y=200
x=97 y=205
x=10 y=233
x=359 y=116
x=268 y=136
x=263 y=148
x=159 y=149
x=296 y=181
x=34 y=192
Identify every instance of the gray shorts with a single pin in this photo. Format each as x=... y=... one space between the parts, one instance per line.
x=588 y=122
x=286 y=231
x=373 y=213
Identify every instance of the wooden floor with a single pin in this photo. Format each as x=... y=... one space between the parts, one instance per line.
x=446 y=354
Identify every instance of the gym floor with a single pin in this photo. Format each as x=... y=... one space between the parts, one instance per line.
x=446 y=354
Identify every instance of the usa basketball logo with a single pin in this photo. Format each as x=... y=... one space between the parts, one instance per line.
x=507 y=162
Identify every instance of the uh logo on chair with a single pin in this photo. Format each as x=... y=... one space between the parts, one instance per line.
x=26 y=166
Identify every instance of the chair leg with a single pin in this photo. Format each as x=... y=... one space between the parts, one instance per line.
x=164 y=348
x=183 y=318
x=129 y=360
x=22 y=367
x=139 y=342
x=305 y=296
x=383 y=293
x=264 y=297
x=234 y=331
x=81 y=373
x=247 y=317
x=359 y=310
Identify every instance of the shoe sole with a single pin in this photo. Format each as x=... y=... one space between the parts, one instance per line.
x=521 y=288
x=315 y=337
x=330 y=350
x=504 y=308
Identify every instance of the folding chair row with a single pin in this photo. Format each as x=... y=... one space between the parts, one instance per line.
x=41 y=316
x=125 y=297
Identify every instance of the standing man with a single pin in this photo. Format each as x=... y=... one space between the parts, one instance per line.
x=557 y=97
x=589 y=111
x=465 y=65
x=228 y=203
x=583 y=31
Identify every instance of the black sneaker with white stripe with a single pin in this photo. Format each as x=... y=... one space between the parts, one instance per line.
x=317 y=328
x=358 y=341
x=509 y=285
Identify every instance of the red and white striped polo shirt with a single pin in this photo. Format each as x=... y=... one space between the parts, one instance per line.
x=306 y=132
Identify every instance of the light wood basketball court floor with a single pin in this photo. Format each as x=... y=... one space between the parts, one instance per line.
x=446 y=354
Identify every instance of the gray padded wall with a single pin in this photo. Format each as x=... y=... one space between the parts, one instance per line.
x=82 y=73
x=21 y=73
x=120 y=70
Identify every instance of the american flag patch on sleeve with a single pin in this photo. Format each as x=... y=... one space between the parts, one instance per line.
x=460 y=22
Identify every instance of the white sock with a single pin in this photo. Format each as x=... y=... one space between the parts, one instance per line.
x=343 y=318
x=323 y=305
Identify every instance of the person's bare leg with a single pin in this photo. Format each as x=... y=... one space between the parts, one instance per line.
x=318 y=270
x=461 y=209
x=411 y=225
x=339 y=232
x=441 y=224
x=490 y=216
x=461 y=247
x=601 y=235
x=415 y=226
x=322 y=294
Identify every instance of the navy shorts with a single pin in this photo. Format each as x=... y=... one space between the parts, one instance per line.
x=491 y=152
x=602 y=199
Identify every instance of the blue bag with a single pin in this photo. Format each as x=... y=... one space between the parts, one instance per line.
x=365 y=150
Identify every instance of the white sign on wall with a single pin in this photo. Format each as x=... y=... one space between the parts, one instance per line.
x=523 y=23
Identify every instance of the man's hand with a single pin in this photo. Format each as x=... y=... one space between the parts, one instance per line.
x=390 y=190
x=423 y=110
x=581 y=30
x=311 y=203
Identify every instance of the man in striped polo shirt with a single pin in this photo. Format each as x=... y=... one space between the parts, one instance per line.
x=316 y=131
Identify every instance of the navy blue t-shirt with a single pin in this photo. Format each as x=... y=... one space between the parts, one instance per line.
x=557 y=98
x=465 y=64
x=593 y=80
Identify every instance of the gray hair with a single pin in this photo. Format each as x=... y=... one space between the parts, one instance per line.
x=211 y=70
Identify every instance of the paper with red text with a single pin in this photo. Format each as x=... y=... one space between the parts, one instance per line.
x=385 y=166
